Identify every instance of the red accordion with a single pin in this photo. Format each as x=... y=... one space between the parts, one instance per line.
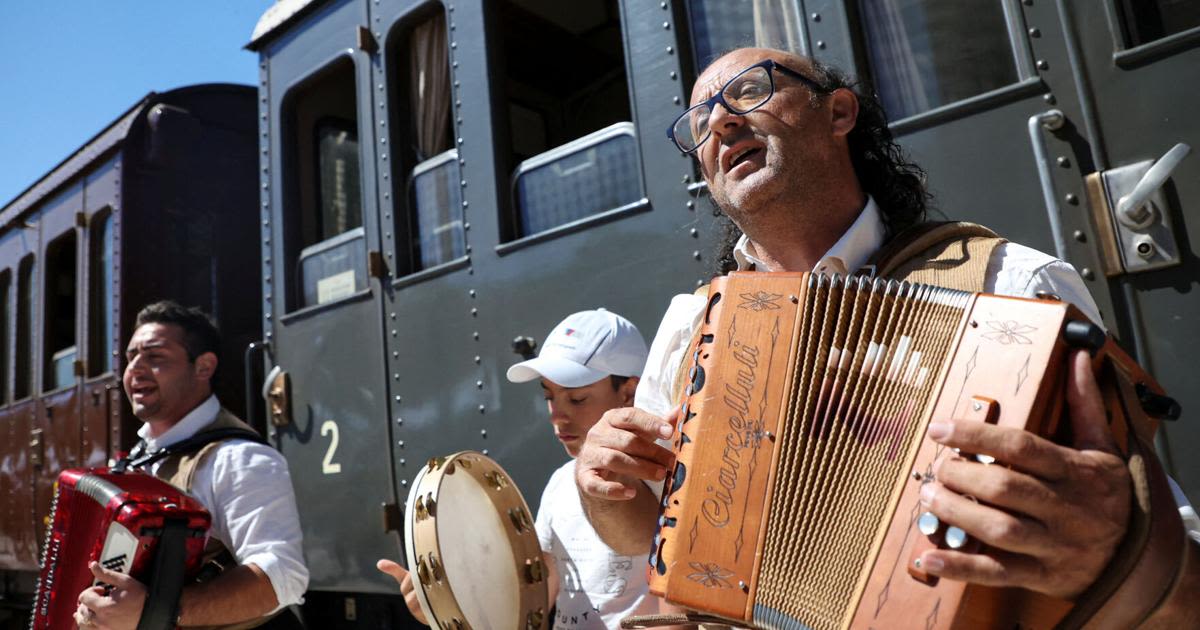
x=128 y=522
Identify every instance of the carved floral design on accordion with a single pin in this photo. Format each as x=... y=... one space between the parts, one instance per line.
x=710 y=575
x=760 y=301
x=1009 y=332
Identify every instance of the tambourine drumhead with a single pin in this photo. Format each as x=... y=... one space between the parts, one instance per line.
x=471 y=546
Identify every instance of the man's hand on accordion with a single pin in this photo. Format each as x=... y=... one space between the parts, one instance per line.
x=1051 y=516
x=116 y=606
x=618 y=452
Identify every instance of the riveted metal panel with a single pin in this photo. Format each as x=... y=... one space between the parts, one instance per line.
x=1142 y=102
x=337 y=444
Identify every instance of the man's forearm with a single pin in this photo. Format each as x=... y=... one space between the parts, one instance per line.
x=627 y=527
x=242 y=593
x=1180 y=609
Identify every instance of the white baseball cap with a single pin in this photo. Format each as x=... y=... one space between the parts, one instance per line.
x=584 y=348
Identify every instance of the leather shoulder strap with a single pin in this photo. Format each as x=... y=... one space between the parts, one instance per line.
x=951 y=254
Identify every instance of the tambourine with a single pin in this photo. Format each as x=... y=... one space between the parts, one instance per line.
x=472 y=549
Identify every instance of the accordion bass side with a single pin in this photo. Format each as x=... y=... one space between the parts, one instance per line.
x=130 y=523
x=801 y=450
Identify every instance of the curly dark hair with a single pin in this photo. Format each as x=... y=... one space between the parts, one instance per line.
x=883 y=169
x=200 y=332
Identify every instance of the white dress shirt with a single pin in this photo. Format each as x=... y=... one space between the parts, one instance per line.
x=246 y=488
x=1013 y=270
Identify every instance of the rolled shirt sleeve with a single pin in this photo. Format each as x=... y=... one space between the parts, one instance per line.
x=254 y=513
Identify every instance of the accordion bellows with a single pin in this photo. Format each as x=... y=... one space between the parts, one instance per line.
x=801 y=452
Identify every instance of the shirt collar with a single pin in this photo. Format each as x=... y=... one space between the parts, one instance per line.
x=865 y=236
x=189 y=425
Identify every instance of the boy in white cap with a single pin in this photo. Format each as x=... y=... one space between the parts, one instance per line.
x=589 y=363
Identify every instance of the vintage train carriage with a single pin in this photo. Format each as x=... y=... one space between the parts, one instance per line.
x=160 y=204
x=439 y=178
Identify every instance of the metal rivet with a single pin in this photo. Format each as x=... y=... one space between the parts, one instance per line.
x=471 y=293
x=481 y=410
x=1035 y=32
x=821 y=45
x=474 y=312
x=484 y=451
x=696 y=254
x=816 y=17
x=1080 y=236
x=663 y=5
x=475 y=334
x=478 y=358
x=1087 y=274
x=466 y=225
x=673 y=75
x=1049 y=98
x=399 y=400
x=670 y=50
x=691 y=204
x=1063 y=162
x=403 y=461
x=399 y=420
x=667 y=25
x=478 y=384
x=1042 y=64
x=400 y=443
x=675 y=99
x=695 y=233
x=1072 y=199
x=404 y=482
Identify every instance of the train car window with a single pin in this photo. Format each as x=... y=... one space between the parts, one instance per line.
x=59 y=312
x=564 y=80
x=429 y=231
x=595 y=173
x=323 y=209
x=23 y=384
x=1143 y=21
x=920 y=58
x=721 y=25
x=5 y=319
x=100 y=301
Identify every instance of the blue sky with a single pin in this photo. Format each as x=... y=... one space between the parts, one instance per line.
x=68 y=69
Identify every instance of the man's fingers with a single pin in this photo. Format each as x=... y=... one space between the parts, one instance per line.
x=1089 y=421
x=984 y=523
x=594 y=484
x=645 y=425
x=994 y=568
x=119 y=580
x=1000 y=486
x=1014 y=447
x=393 y=569
x=635 y=447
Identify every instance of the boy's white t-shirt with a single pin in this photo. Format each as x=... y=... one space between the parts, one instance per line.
x=597 y=587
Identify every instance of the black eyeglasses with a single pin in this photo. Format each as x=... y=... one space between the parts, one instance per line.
x=747 y=91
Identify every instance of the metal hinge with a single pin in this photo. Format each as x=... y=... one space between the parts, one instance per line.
x=37 y=450
x=366 y=41
x=376 y=268
x=393 y=517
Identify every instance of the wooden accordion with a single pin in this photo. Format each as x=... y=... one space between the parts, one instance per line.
x=130 y=523
x=795 y=498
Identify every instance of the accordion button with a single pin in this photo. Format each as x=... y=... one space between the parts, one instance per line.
x=956 y=538
x=928 y=523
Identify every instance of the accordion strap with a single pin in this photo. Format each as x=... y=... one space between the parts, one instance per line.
x=952 y=254
x=673 y=619
x=139 y=458
x=1146 y=568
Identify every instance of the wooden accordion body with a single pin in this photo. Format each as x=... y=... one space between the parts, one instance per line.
x=801 y=447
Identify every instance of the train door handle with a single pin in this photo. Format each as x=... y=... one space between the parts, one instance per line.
x=37 y=450
x=1133 y=209
x=1050 y=120
x=1135 y=229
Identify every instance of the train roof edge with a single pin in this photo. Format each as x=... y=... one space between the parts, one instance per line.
x=279 y=15
x=100 y=144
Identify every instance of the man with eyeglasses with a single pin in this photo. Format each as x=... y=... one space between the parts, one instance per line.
x=806 y=169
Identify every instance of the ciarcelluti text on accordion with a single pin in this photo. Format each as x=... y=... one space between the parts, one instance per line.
x=801 y=448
